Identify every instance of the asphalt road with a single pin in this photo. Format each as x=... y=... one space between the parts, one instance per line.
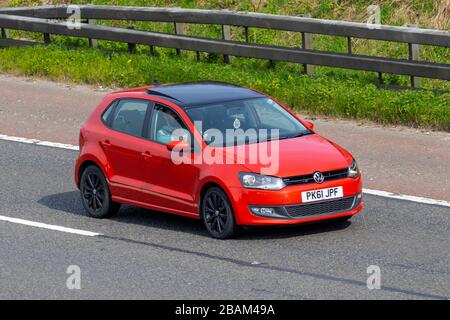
x=144 y=254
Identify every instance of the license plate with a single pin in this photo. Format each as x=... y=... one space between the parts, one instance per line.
x=322 y=194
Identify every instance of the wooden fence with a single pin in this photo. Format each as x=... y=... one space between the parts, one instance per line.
x=49 y=20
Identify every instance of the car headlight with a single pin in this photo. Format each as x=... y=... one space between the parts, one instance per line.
x=259 y=181
x=353 y=170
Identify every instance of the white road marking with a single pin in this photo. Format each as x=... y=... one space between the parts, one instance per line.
x=392 y=195
x=49 y=226
x=379 y=193
x=39 y=142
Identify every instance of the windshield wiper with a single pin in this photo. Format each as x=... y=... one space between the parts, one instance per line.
x=301 y=134
x=295 y=135
x=286 y=137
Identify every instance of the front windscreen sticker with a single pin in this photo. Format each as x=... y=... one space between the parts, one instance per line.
x=236 y=123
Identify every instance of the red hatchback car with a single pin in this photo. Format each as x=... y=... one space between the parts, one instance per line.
x=225 y=154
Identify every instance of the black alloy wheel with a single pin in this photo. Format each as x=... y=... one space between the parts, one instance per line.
x=95 y=194
x=217 y=214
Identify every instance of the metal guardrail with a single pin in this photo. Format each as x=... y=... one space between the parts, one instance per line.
x=35 y=19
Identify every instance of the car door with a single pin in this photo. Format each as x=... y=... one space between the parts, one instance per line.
x=125 y=146
x=168 y=185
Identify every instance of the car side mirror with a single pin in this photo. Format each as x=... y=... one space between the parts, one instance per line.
x=179 y=144
x=309 y=125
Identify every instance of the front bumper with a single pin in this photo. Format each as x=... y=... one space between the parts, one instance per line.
x=288 y=206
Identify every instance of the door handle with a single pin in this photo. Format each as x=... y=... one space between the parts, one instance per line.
x=105 y=143
x=146 y=155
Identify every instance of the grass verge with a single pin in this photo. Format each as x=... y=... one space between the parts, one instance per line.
x=332 y=92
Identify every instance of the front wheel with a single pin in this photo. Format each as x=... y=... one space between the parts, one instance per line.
x=95 y=194
x=217 y=214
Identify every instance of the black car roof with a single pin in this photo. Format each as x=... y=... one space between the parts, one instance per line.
x=201 y=93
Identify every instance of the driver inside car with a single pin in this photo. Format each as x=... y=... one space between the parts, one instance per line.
x=166 y=123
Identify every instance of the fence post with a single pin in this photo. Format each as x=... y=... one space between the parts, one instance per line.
x=414 y=54
x=380 y=79
x=307 y=44
x=47 y=39
x=349 y=45
x=226 y=35
x=180 y=29
x=4 y=33
x=92 y=42
x=131 y=46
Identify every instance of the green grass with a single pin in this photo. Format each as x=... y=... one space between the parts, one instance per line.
x=334 y=92
x=340 y=94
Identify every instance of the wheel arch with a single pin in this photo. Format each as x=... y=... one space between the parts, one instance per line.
x=214 y=183
x=85 y=163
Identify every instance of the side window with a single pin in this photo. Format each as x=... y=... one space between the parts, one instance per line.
x=107 y=114
x=167 y=126
x=129 y=117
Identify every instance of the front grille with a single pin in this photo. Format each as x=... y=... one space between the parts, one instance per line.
x=308 y=178
x=326 y=207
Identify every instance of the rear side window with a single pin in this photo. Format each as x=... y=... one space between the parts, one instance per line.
x=108 y=113
x=129 y=117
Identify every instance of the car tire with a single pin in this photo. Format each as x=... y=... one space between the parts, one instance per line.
x=217 y=214
x=95 y=194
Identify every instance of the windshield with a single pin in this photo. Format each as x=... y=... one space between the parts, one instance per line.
x=244 y=121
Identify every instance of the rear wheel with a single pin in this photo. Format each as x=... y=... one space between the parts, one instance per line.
x=217 y=214
x=95 y=194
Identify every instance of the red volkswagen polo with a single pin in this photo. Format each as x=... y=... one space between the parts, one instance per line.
x=225 y=154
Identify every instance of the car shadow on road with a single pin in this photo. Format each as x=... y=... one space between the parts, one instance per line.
x=69 y=202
